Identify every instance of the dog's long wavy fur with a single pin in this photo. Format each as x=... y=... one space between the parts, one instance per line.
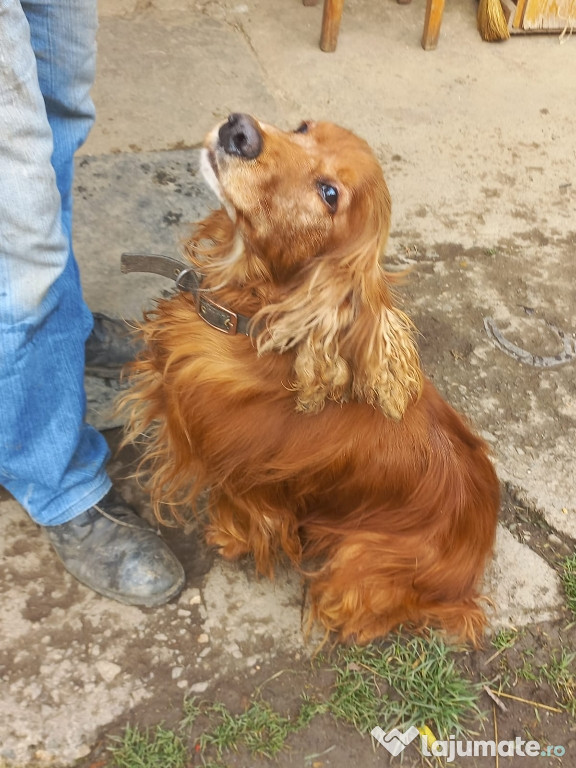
x=318 y=439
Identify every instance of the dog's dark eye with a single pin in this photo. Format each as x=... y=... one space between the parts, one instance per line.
x=329 y=194
x=302 y=128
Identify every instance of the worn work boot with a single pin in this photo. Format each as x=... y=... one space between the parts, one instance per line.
x=109 y=347
x=117 y=554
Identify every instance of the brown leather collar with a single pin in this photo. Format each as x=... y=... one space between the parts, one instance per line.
x=188 y=279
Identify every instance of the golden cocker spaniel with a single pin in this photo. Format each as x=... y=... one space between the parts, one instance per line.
x=309 y=421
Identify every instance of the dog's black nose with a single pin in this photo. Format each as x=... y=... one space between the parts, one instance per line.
x=241 y=136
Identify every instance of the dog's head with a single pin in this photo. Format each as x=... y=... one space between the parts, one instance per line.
x=310 y=214
x=298 y=195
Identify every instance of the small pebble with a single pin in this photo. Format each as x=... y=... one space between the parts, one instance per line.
x=199 y=687
x=108 y=670
x=83 y=751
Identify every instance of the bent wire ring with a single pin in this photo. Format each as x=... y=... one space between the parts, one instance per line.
x=567 y=355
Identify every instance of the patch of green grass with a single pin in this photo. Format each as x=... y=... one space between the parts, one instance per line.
x=260 y=728
x=190 y=711
x=410 y=681
x=559 y=673
x=569 y=581
x=504 y=639
x=158 y=748
x=527 y=669
x=358 y=694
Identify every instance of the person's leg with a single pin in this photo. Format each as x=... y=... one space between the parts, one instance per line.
x=50 y=460
x=63 y=37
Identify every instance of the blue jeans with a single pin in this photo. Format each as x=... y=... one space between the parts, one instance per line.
x=51 y=461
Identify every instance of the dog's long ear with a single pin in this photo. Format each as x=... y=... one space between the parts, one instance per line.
x=349 y=339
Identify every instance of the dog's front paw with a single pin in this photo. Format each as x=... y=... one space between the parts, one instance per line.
x=229 y=545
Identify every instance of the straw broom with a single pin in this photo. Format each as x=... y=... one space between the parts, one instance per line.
x=492 y=23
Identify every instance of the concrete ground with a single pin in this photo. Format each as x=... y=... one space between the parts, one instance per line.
x=477 y=144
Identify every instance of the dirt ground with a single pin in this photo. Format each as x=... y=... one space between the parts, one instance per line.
x=477 y=145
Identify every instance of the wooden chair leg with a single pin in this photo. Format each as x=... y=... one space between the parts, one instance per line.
x=432 y=22
x=331 y=18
